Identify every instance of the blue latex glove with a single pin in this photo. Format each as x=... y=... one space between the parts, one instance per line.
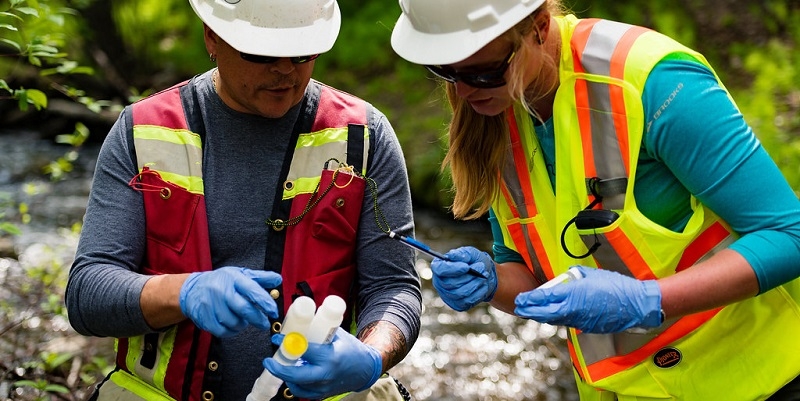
x=602 y=302
x=345 y=364
x=226 y=300
x=467 y=279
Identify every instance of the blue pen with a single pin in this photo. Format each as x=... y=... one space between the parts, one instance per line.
x=417 y=245
x=411 y=242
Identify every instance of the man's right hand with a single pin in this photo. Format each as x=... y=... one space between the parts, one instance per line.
x=467 y=279
x=226 y=300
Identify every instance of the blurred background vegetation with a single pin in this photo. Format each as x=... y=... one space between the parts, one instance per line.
x=104 y=54
x=68 y=66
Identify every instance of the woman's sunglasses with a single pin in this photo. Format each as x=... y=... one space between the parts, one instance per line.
x=270 y=59
x=485 y=80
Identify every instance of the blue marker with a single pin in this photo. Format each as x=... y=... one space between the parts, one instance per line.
x=411 y=242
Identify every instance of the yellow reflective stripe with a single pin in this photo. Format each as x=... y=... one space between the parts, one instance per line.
x=323 y=136
x=164 y=134
x=155 y=377
x=312 y=152
x=337 y=397
x=191 y=184
x=176 y=154
x=123 y=386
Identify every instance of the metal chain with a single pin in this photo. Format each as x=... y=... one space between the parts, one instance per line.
x=380 y=218
x=312 y=201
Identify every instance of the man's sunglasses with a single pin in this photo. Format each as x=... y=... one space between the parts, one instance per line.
x=487 y=79
x=270 y=59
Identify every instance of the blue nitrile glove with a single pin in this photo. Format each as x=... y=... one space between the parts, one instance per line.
x=224 y=301
x=601 y=302
x=345 y=364
x=468 y=279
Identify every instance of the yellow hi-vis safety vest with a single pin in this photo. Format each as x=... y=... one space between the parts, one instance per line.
x=738 y=352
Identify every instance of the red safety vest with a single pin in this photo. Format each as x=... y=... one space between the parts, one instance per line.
x=315 y=202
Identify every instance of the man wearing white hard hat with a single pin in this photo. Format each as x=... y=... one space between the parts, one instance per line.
x=629 y=200
x=219 y=201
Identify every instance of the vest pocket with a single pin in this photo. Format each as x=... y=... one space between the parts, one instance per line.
x=319 y=254
x=174 y=231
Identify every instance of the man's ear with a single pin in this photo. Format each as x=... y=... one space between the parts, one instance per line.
x=211 y=39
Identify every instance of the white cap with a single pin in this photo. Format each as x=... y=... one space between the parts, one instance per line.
x=279 y=28
x=438 y=32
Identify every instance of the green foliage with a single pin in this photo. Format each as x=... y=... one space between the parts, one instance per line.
x=43 y=358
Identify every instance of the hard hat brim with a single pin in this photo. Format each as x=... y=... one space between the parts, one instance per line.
x=318 y=37
x=436 y=49
x=442 y=48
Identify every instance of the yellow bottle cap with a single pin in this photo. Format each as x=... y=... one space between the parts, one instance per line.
x=294 y=345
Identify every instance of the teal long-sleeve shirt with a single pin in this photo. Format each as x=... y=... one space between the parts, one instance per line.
x=696 y=142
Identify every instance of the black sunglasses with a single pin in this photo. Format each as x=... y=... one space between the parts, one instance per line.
x=485 y=80
x=270 y=59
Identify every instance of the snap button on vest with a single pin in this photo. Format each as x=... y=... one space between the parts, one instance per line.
x=276 y=327
x=274 y=293
x=288 y=185
x=208 y=396
x=339 y=202
x=213 y=366
x=278 y=226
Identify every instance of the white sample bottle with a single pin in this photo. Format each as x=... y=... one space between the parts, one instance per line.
x=572 y=274
x=294 y=345
x=299 y=315
x=327 y=319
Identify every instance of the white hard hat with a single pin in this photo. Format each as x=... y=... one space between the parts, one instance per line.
x=280 y=28
x=438 y=32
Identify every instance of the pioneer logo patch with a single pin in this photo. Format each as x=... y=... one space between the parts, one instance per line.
x=667 y=357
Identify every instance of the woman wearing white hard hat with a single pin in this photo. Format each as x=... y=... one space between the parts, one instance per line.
x=218 y=202
x=616 y=151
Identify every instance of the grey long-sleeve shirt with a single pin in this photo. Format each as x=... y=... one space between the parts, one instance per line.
x=243 y=155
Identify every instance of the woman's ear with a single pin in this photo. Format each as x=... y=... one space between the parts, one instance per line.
x=542 y=25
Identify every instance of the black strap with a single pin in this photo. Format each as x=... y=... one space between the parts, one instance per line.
x=355 y=146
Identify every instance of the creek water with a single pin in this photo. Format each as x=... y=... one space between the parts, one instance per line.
x=483 y=354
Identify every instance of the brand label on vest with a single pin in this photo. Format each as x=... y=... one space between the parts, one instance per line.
x=667 y=357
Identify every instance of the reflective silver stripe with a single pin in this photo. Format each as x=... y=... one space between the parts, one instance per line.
x=309 y=161
x=596 y=59
x=514 y=188
x=185 y=160
x=605 y=255
x=596 y=347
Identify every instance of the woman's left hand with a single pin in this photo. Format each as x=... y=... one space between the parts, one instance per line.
x=602 y=302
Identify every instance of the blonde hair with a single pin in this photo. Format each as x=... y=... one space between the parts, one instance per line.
x=478 y=143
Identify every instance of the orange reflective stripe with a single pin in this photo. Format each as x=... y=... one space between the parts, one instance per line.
x=521 y=166
x=573 y=356
x=607 y=367
x=630 y=255
x=580 y=37
x=704 y=243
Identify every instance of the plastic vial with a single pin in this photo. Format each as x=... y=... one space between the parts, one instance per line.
x=294 y=345
x=572 y=274
x=327 y=319
x=299 y=315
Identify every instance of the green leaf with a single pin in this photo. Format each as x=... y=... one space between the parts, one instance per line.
x=10 y=228
x=37 y=98
x=28 y=11
x=12 y=43
x=56 y=388
x=9 y=27
x=7 y=14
